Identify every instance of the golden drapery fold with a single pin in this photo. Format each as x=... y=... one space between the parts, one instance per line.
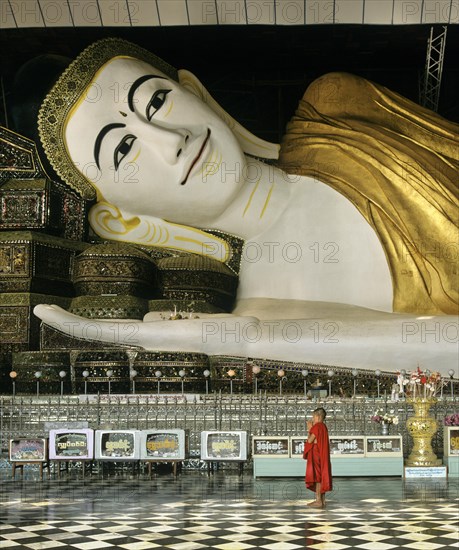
x=398 y=163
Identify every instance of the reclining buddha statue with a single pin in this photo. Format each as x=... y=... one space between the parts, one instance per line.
x=349 y=225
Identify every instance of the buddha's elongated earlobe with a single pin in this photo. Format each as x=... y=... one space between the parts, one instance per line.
x=250 y=144
x=108 y=222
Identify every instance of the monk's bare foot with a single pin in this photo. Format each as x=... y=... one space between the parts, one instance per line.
x=315 y=504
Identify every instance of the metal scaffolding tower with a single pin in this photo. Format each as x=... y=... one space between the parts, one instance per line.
x=430 y=88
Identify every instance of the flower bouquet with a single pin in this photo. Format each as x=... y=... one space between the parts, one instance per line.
x=451 y=420
x=424 y=384
x=386 y=418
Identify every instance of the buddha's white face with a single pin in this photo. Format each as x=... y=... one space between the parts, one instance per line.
x=151 y=147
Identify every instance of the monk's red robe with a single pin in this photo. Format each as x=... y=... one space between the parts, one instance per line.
x=317 y=454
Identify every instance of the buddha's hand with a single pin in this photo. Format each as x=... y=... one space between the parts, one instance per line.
x=201 y=335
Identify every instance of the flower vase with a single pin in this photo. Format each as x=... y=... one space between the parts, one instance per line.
x=422 y=427
x=384 y=428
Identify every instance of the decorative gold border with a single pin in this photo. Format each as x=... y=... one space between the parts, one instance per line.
x=67 y=91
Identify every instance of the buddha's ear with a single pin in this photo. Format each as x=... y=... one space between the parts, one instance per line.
x=108 y=222
x=251 y=144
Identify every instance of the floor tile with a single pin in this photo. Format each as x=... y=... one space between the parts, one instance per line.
x=222 y=511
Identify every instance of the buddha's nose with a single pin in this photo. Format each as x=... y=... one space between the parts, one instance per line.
x=169 y=143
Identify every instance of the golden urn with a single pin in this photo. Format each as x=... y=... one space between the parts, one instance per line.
x=422 y=428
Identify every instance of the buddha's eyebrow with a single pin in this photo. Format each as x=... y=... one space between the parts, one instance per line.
x=136 y=84
x=100 y=137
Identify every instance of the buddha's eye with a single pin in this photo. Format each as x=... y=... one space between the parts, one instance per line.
x=156 y=102
x=123 y=148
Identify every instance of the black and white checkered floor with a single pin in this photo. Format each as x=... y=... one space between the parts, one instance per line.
x=224 y=511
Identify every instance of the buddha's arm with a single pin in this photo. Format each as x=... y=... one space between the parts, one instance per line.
x=361 y=339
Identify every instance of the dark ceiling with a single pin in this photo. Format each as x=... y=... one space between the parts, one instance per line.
x=258 y=73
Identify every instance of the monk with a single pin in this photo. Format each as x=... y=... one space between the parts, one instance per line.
x=317 y=453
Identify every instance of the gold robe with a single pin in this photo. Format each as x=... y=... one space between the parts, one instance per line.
x=398 y=163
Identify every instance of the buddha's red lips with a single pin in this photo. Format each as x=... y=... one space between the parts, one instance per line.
x=198 y=156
